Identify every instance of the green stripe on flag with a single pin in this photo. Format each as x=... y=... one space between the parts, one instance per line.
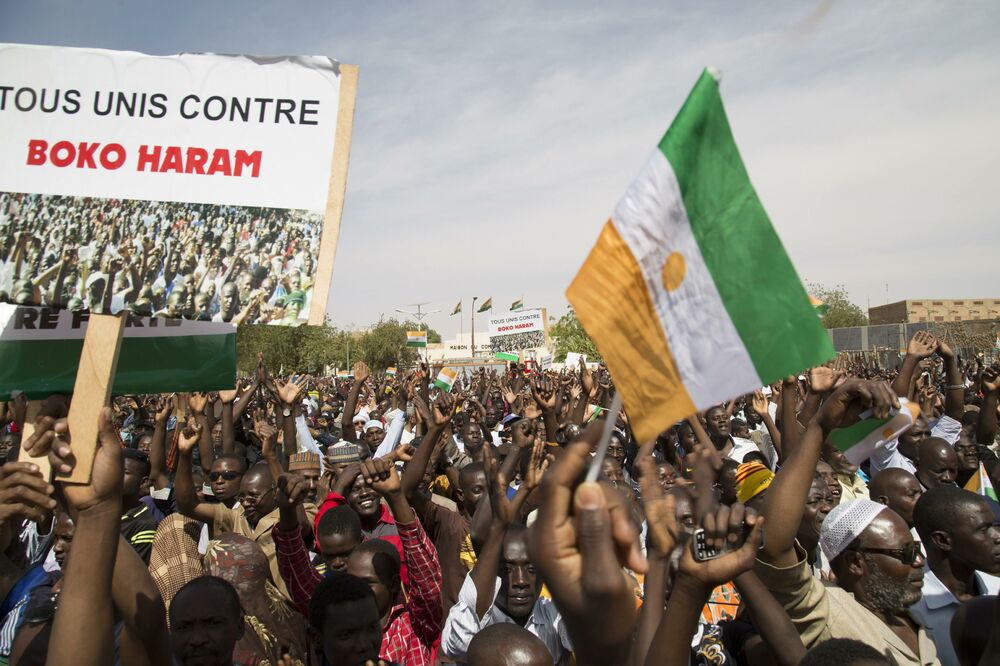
x=507 y=356
x=757 y=283
x=145 y=365
x=846 y=438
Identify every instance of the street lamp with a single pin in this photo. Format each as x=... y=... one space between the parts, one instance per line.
x=420 y=314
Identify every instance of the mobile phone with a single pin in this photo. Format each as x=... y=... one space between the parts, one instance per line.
x=703 y=552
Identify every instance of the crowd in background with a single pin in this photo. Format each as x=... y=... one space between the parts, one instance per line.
x=196 y=261
x=377 y=519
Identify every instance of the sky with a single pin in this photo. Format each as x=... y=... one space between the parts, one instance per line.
x=492 y=140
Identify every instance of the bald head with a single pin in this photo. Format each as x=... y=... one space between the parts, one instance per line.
x=507 y=645
x=897 y=489
x=937 y=464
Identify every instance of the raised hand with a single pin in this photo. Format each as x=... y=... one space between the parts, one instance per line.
x=292 y=490
x=444 y=407
x=991 y=380
x=381 y=475
x=290 y=393
x=268 y=436
x=543 y=391
x=853 y=397
x=197 y=402
x=582 y=538
x=164 y=409
x=229 y=397
x=587 y=378
x=725 y=527
x=660 y=510
x=823 y=378
x=537 y=465
x=503 y=509
x=922 y=345
x=24 y=493
x=759 y=403
x=189 y=437
x=523 y=434
x=361 y=372
x=106 y=476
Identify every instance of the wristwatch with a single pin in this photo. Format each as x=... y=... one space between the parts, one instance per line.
x=287 y=411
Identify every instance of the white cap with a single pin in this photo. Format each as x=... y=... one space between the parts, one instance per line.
x=372 y=425
x=845 y=523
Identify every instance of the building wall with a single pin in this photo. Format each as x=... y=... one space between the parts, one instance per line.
x=935 y=310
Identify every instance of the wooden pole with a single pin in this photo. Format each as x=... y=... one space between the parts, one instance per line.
x=91 y=392
x=335 y=194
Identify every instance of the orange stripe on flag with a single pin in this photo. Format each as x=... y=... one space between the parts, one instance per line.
x=610 y=289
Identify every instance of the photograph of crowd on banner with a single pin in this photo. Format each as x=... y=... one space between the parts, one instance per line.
x=206 y=198
x=517 y=331
x=207 y=262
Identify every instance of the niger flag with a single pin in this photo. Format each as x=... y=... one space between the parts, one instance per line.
x=688 y=293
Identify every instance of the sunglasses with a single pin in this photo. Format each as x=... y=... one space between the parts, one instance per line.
x=228 y=476
x=908 y=554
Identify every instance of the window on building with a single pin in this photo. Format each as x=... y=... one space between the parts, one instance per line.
x=959 y=302
x=977 y=302
x=938 y=318
x=918 y=302
x=937 y=303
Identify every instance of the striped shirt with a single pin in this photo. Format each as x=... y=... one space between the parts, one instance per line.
x=139 y=529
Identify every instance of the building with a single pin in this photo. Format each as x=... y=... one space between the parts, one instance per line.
x=935 y=310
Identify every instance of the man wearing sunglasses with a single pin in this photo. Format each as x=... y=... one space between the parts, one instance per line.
x=962 y=540
x=878 y=564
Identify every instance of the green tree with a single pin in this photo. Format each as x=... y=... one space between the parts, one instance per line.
x=840 y=311
x=569 y=335
x=311 y=348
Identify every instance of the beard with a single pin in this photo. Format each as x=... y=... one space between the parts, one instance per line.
x=885 y=593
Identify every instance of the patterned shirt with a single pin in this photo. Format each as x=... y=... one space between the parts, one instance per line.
x=413 y=627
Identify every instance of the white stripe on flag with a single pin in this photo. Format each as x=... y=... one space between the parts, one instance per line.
x=709 y=354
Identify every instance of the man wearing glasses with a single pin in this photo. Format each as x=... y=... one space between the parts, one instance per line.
x=877 y=563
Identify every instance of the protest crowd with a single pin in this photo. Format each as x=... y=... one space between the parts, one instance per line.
x=381 y=519
x=180 y=260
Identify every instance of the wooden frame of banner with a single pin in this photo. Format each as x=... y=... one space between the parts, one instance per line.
x=91 y=392
x=335 y=194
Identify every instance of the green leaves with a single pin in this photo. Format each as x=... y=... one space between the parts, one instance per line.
x=569 y=336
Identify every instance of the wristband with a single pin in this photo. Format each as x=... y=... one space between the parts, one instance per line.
x=952 y=387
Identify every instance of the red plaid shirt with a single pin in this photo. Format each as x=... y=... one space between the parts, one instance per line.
x=413 y=627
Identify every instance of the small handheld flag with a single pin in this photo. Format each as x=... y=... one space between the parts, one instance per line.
x=508 y=356
x=416 y=338
x=859 y=441
x=980 y=484
x=446 y=379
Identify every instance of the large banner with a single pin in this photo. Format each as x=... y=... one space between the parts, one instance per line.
x=40 y=349
x=516 y=331
x=207 y=187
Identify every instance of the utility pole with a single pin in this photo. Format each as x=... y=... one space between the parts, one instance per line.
x=419 y=315
x=474 y=326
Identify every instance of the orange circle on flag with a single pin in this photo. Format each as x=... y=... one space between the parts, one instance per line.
x=673 y=271
x=887 y=433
